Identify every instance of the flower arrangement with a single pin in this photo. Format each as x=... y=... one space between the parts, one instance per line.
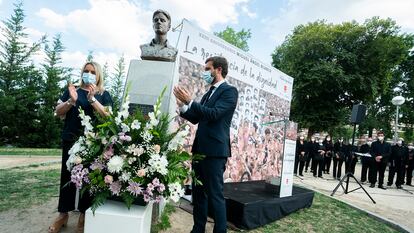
x=130 y=157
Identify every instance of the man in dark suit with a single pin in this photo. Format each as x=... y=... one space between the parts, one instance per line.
x=380 y=151
x=213 y=115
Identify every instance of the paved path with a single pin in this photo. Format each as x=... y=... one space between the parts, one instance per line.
x=394 y=204
x=25 y=160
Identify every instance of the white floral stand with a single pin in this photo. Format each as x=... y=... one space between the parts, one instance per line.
x=114 y=216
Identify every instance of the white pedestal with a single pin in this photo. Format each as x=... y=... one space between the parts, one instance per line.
x=115 y=217
x=148 y=79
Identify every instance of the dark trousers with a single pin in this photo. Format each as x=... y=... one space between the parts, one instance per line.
x=337 y=167
x=352 y=166
x=409 y=174
x=317 y=165
x=301 y=166
x=67 y=191
x=308 y=159
x=295 y=169
x=210 y=194
x=396 y=168
x=377 y=170
x=365 y=165
x=327 y=164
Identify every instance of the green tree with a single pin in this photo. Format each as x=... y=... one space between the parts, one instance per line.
x=54 y=74
x=337 y=66
x=20 y=82
x=238 y=39
x=90 y=56
x=118 y=83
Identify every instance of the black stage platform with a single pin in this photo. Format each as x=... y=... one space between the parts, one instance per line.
x=252 y=204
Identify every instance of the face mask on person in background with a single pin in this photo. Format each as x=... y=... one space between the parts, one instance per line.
x=312 y=139
x=399 y=142
x=328 y=139
x=207 y=76
x=341 y=140
x=381 y=138
x=301 y=138
x=369 y=143
x=320 y=142
x=89 y=78
x=411 y=147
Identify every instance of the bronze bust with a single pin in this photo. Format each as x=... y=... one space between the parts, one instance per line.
x=159 y=49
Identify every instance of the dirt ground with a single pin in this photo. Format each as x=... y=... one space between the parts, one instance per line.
x=16 y=161
x=37 y=219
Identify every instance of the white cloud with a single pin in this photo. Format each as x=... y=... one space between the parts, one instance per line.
x=336 y=11
x=117 y=25
x=205 y=13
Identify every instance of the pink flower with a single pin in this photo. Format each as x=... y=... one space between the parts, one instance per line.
x=109 y=179
x=157 y=149
x=161 y=188
x=150 y=187
x=134 y=188
x=115 y=188
x=109 y=152
x=141 y=172
x=156 y=182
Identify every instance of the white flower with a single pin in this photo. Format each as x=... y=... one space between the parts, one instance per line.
x=86 y=121
x=153 y=119
x=158 y=164
x=70 y=162
x=178 y=139
x=75 y=148
x=125 y=176
x=118 y=119
x=176 y=191
x=146 y=136
x=135 y=124
x=115 y=164
x=125 y=127
x=104 y=141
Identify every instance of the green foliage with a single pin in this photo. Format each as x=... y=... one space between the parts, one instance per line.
x=238 y=39
x=164 y=222
x=336 y=66
x=117 y=83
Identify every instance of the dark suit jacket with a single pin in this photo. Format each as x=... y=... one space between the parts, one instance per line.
x=213 y=119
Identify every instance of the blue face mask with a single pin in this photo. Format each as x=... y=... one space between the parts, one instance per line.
x=89 y=78
x=206 y=76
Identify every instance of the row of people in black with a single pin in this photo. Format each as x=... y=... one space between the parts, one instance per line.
x=375 y=156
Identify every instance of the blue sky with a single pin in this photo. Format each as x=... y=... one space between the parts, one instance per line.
x=114 y=27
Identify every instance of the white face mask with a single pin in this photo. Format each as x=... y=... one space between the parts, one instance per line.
x=312 y=139
x=399 y=143
x=381 y=138
x=301 y=138
x=328 y=139
x=369 y=143
x=410 y=147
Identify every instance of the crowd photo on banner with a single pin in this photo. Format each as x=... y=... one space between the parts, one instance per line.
x=257 y=133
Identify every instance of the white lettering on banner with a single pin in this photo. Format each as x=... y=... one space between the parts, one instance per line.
x=198 y=46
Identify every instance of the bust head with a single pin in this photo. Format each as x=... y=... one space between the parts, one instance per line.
x=161 y=22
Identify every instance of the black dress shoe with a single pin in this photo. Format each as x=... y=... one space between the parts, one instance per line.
x=399 y=187
x=300 y=174
x=372 y=186
x=389 y=184
x=382 y=187
x=320 y=176
x=314 y=176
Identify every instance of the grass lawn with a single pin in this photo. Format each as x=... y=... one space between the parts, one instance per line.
x=25 y=186
x=30 y=151
x=326 y=215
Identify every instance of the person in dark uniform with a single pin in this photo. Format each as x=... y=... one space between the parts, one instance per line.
x=351 y=159
x=380 y=151
x=340 y=150
x=399 y=153
x=311 y=152
x=329 y=146
x=409 y=164
x=319 y=157
x=91 y=97
x=301 y=154
x=365 y=161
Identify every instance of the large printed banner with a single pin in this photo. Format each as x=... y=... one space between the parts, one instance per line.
x=264 y=96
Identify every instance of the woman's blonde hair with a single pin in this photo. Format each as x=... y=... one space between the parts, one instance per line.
x=98 y=74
